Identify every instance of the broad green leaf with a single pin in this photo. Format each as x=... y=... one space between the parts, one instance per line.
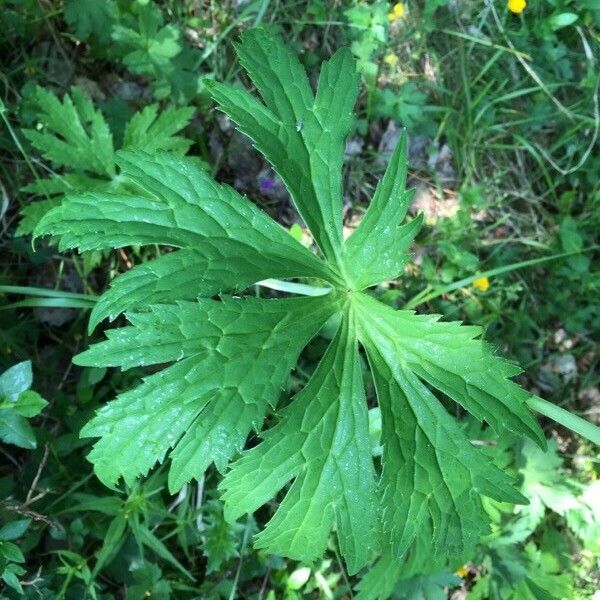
x=425 y=451
x=322 y=443
x=452 y=359
x=15 y=401
x=559 y=20
x=227 y=242
x=377 y=250
x=11 y=580
x=11 y=552
x=14 y=530
x=233 y=357
x=28 y=404
x=228 y=358
x=15 y=380
x=301 y=135
x=14 y=429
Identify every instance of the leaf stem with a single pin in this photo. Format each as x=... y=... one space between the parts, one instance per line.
x=294 y=288
x=565 y=418
x=45 y=293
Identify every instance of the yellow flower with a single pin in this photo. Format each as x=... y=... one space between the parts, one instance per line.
x=397 y=11
x=516 y=6
x=391 y=59
x=482 y=284
x=462 y=571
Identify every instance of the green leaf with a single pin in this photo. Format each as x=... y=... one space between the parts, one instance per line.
x=584 y=520
x=14 y=429
x=63 y=184
x=380 y=580
x=205 y=404
x=14 y=530
x=28 y=404
x=415 y=575
x=149 y=45
x=220 y=539
x=15 y=380
x=221 y=362
x=544 y=580
x=33 y=212
x=561 y=20
x=74 y=135
x=379 y=235
x=11 y=580
x=91 y=18
x=112 y=542
x=144 y=536
x=452 y=359
x=148 y=582
x=150 y=132
x=301 y=135
x=227 y=242
x=107 y=505
x=322 y=443
x=11 y=552
x=543 y=483
x=427 y=587
x=425 y=450
x=524 y=575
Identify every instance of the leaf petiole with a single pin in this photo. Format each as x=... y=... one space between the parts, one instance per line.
x=565 y=418
x=294 y=288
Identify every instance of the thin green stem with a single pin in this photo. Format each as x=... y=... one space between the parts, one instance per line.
x=421 y=298
x=565 y=418
x=45 y=293
x=17 y=142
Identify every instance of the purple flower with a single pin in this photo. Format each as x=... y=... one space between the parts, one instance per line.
x=266 y=184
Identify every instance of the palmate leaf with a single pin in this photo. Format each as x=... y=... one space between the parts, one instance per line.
x=228 y=357
x=88 y=18
x=74 y=135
